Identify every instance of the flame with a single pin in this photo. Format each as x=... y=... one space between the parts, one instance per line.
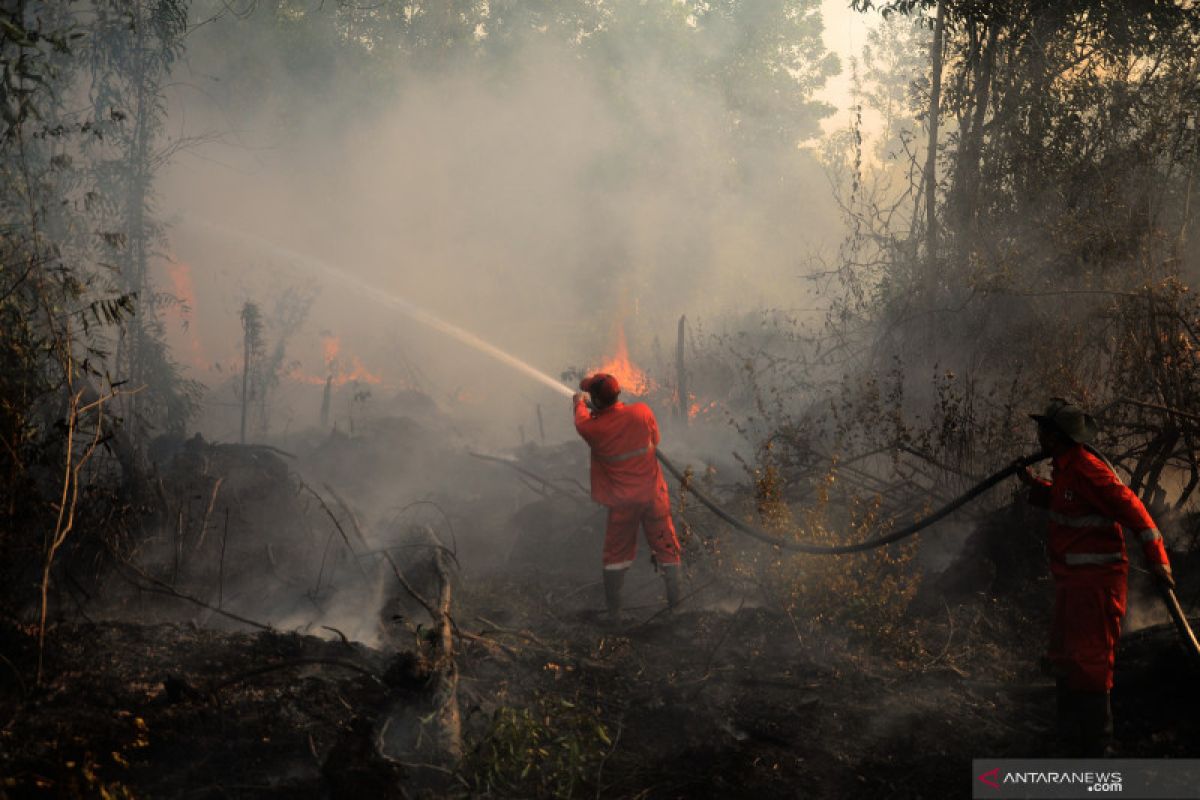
x=633 y=380
x=182 y=287
x=696 y=410
x=359 y=373
x=183 y=312
x=335 y=367
x=332 y=345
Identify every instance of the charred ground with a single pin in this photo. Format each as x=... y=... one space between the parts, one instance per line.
x=734 y=695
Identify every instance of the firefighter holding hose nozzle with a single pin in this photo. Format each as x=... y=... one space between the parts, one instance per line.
x=1089 y=505
x=627 y=479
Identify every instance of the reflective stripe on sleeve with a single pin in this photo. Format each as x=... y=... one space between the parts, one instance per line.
x=1149 y=535
x=625 y=456
x=619 y=565
x=1075 y=559
x=1088 y=521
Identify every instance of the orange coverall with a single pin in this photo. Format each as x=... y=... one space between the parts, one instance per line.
x=626 y=478
x=1088 y=507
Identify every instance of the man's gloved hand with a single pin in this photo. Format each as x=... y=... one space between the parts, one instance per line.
x=1162 y=573
x=1025 y=475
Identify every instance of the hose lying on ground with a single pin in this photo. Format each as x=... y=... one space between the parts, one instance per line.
x=879 y=541
x=1187 y=636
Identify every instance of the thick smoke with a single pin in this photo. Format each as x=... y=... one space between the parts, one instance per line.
x=538 y=205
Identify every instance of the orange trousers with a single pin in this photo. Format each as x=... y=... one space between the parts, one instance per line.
x=620 y=535
x=1087 y=624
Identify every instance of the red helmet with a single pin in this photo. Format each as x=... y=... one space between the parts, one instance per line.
x=602 y=386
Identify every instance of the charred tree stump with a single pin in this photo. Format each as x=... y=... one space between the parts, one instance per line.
x=423 y=729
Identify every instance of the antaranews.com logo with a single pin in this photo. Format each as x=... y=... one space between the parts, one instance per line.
x=1133 y=778
x=1091 y=781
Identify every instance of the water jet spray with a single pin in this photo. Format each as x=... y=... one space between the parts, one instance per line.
x=392 y=301
x=470 y=339
x=464 y=336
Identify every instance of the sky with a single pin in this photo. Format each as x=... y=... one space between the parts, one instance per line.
x=845 y=34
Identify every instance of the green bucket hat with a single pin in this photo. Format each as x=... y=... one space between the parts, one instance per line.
x=1068 y=419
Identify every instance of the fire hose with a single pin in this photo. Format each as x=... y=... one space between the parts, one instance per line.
x=858 y=547
x=1170 y=600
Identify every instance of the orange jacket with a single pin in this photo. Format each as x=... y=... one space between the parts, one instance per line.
x=1088 y=506
x=624 y=468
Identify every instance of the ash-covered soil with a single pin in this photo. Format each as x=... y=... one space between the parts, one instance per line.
x=719 y=700
x=727 y=697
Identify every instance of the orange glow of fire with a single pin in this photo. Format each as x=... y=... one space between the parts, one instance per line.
x=335 y=367
x=182 y=287
x=633 y=380
x=332 y=345
x=183 y=312
x=696 y=410
x=468 y=397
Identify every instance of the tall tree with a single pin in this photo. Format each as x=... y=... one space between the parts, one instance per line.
x=252 y=347
x=133 y=46
x=934 y=117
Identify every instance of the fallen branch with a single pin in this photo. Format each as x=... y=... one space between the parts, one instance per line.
x=529 y=474
x=349 y=513
x=341 y=635
x=533 y=644
x=486 y=642
x=529 y=637
x=252 y=447
x=445 y=516
x=212 y=501
x=1156 y=407
x=408 y=587
x=161 y=587
x=389 y=548
x=336 y=524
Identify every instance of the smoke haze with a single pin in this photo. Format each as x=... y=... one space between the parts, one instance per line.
x=537 y=204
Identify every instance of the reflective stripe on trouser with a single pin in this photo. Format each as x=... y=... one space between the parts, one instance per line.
x=1076 y=559
x=620 y=536
x=1087 y=624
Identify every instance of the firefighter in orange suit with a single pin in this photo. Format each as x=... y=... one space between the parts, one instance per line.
x=1089 y=505
x=626 y=478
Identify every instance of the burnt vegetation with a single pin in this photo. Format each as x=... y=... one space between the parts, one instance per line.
x=379 y=600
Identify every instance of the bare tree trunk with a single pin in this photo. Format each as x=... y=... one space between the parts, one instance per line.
x=325 y=399
x=445 y=700
x=681 y=372
x=245 y=382
x=935 y=110
x=424 y=726
x=136 y=235
x=967 y=180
